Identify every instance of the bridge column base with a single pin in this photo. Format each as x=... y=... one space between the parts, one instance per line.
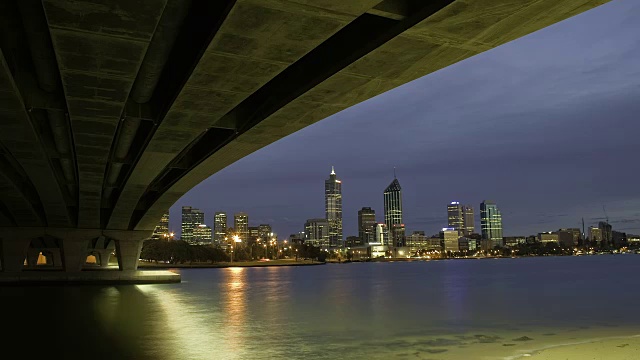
x=69 y=248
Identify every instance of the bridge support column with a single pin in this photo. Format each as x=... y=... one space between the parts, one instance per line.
x=14 y=252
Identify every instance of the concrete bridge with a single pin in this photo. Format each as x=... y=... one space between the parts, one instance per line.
x=111 y=110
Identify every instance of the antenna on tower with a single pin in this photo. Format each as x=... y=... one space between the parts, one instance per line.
x=394 y=172
x=583 y=234
x=605 y=214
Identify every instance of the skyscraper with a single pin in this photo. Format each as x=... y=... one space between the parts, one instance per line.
x=241 y=225
x=219 y=227
x=162 y=229
x=333 y=208
x=460 y=217
x=366 y=225
x=191 y=218
x=393 y=210
x=491 y=222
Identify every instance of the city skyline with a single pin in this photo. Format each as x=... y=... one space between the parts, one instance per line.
x=552 y=104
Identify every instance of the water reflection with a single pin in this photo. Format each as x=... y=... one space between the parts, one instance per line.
x=234 y=306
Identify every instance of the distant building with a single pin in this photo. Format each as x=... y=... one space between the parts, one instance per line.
x=297 y=238
x=491 y=221
x=316 y=232
x=417 y=241
x=161 y=230
x=264 y=231
x=393 y=210
x=511 y=241
x=606 y=230
x=254 y=234
x=191 y=218
x=352 y=241
x=219 y=227
x=241 y=225
x=202 y=235
x=382 y=235
x=333 y=208
x=619 y=239
x=576 y=234
x=565 y=238
x=461 y=217
x=450 y=237
x=398 y=235
x=548 y=237
x=595 y=235
x=366 y=225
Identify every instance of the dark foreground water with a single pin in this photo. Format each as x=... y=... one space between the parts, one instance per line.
x=452 y=309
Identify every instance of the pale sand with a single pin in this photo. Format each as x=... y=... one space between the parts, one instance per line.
x=620 y=348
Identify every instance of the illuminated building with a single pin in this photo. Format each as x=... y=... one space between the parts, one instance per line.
x=241 y=225
x=393 y=210
x=333 y=208
x=162 y=229
x=461 y=217
x=219 y=227
x=191 y=218
x=366 y=225
x=491 y=222
x=316 y=232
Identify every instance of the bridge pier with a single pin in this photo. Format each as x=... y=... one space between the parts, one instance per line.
x=66 y=251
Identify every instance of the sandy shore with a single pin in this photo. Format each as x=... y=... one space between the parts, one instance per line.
x=618 y=348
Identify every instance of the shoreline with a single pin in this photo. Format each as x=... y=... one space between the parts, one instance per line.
x=612 y=347
x=146 y=265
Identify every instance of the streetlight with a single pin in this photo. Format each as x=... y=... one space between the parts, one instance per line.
x=236 y=239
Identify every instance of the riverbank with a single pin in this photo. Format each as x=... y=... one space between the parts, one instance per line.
x=287 y=262
x=615 y=348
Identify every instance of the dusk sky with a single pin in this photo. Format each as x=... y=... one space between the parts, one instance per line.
x=545 y=126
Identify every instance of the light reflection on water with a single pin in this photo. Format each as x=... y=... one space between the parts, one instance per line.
x=435 y=310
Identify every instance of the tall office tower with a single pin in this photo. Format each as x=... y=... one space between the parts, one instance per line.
x=468 y=220
x=393 y=210
x=461 y=217
x=241 y=225
x=219 y=227
x=191 y=218
x=201 y=235
x=333 y=208
x=454 y=215
x=366 y=225
x=316 y=232
x=491 y=222
x=606 y=231
x=162 y=229
x=382 y=234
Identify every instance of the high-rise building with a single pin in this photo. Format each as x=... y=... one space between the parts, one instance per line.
x=191 y=218
x=606 y=230
x=491 y=222
x=254 y=234
x=461 y=217
x=576 y=234
x=333 y=208
x=219 y=227
x=316 y=232
x=201 y=235
x=241 y=225
x=162 y=229
x=366 y=225
x=393 y=209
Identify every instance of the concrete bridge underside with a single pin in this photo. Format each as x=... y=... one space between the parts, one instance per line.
x=111 y=110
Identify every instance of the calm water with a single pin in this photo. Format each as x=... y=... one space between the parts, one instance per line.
x=425 y=310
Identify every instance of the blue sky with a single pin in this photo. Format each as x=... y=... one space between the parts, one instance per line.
x=545 y=126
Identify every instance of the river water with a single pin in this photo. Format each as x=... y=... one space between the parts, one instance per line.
x=446 y=309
